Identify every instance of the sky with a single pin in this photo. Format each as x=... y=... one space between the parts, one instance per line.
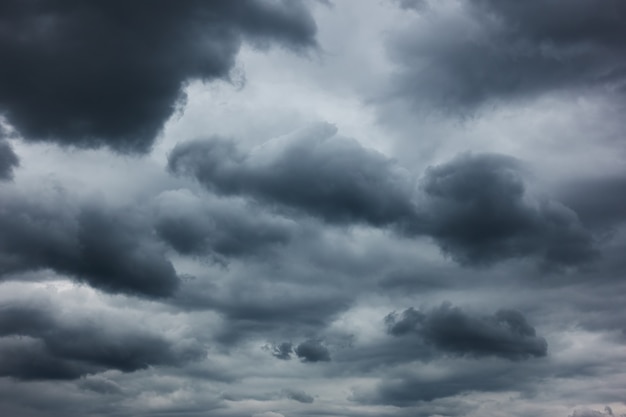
x=284 y=208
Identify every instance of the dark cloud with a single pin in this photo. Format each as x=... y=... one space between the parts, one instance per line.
x=111 y=72
x=312 y=171
x=219 y=227
x=37 y=344
x=465 y=54
x=407 y=388
x=476 y=207
x=100 y=385
x=312 y=350
x=112 y=250
x=598 y=202
x=449 y=329
x=282 y=350
x=299 y=396
x=479 y=210
x=8 y=160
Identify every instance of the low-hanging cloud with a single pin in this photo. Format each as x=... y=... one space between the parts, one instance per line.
x=450 y=330
x=110 y=72
x=465 y=54
x=112 y=250
x=476 y=207
x=36 y=343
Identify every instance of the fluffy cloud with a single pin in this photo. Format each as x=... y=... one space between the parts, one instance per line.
x=111 y=72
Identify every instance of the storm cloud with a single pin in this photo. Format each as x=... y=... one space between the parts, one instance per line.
x=313 y=171
x=464 y=54
x=109 y=249
x=479 y=210
x=312 y=350
x=8 y=160
x=449 y=329
x=476 y=206
x=110 y=73
x=37 y=344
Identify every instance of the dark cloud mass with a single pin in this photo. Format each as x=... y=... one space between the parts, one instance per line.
x=110 y=72
x=260 y=208
x=473 y=52
x=228 y=228
x=476 y=207
x=36 y=344
x=112 y=250
x=506 y=333
x=312 y=171
x=479 y=210
x=312 y=350
x=8 y=161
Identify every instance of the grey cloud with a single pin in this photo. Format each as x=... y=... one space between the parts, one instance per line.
x=110 y=72
x=479 y=210
x=100 y=385
x=312 y=350
x=469 y=53
x=407 y=390
x=311 y=171
x=449 y=329
x=282 y=350
x=594 y=413
x=476 y=206
x=8 y=160
x=299 y=396
x=112 y=250
x=231 y=227
x=599 y=201
x=37 y=343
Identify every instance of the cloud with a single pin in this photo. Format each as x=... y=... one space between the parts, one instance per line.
x=311 y=171
x=449 y=329
x=312 y=351
x=464 y=54
x=222 y=227
x=476 y=207
x=408 y=387
x=299 y=396
x=8 y=161
x=479 y=211
x=110 y=73
x=593 y=413
x=282 y=350
x=112 y=250
x=37 y=343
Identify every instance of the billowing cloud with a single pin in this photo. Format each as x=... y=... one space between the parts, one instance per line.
x=221 y=227
x=312 y=171
x=112 y=250
x=476 y=206
x=479 y=210
x=312 y=350
x=8 y=160
x=449 y=329
x=299 y=396
x=112 y=72
x=37 y=344
x=464 y=54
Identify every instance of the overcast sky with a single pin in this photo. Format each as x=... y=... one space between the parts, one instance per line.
x=283 y=208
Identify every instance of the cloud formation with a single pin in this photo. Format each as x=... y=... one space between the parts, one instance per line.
x=112 y=250
x=110 y=73
x=312 y=350
x=476 y=206
x=37 y=344
x=8 y=160
x=464 y=54
x=449 y=329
